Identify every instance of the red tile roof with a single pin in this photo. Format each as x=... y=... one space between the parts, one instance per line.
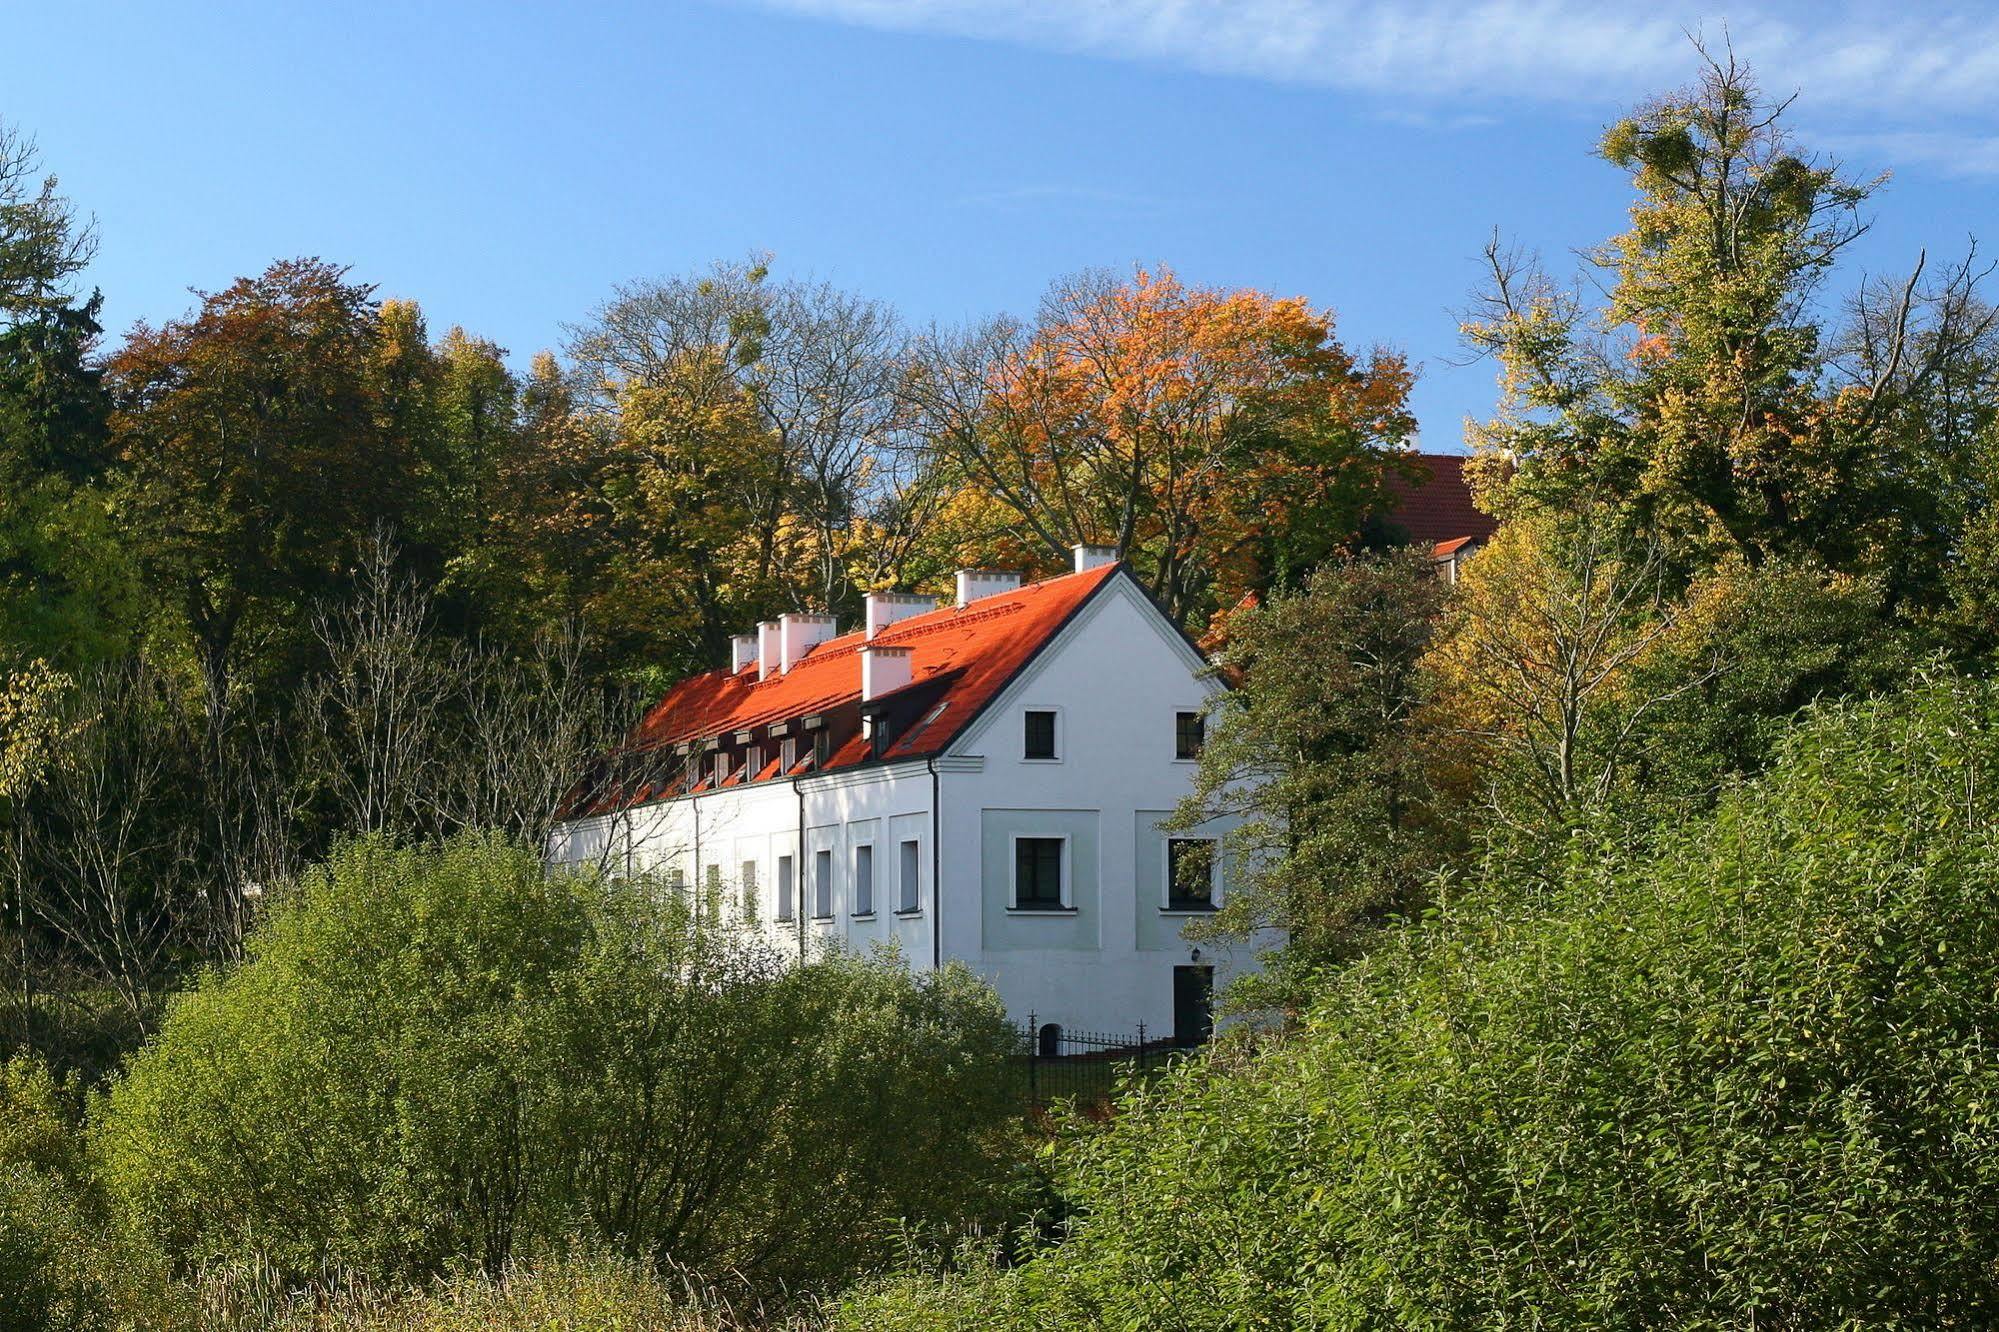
x=960 y=658
x=1438 y=508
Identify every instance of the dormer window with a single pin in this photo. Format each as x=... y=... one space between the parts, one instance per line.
x=1038 y=739
x=787 y=755
x=822 y=748
x=721 y=767
x=753 y=762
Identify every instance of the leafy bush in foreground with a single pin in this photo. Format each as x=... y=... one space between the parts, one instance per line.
x=436 y=1054
x=1746 y=1079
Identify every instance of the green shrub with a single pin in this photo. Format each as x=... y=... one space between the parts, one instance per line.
x=1746 y=1078
x=435 y=1054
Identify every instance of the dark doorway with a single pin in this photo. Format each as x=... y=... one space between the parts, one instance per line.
x=1193 y=1004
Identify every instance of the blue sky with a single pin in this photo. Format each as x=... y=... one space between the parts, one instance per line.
x=506 y=164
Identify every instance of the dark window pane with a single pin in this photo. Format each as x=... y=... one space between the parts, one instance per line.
x=822 y=884
x=1040 y=735
x=1037 y=873
x=911 y=874
x=1190 y=865
x=1189 y=730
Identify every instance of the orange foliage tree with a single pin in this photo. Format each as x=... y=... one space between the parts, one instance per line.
x=1222 y=441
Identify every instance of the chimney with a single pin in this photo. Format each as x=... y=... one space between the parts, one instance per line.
x=799 y=634
x=885 y=608
x=768 y=634
x=742 y=651
x=884 y=669
x=976 y=583
x=1093 y=557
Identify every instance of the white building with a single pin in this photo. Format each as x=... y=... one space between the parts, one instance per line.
x=981 y=781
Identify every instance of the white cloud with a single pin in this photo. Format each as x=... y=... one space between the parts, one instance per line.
x=1856 y=64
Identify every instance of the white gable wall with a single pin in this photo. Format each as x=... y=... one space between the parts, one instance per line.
x=1115 y=677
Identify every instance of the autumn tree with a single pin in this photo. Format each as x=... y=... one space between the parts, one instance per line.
x=1709 y=402
x=1222 y=441
x=257 y=448
x=818 y=370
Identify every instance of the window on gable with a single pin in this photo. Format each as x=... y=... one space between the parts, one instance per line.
x=909 y=876
x=864 y=881
x=1190 y=732
x=822 y=885
x=1037 y=873
x=1190 y=874
x=1040 y=735
x=784 y=887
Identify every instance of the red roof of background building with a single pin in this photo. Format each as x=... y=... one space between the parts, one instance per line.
x=965 y=656
x=1438 y=508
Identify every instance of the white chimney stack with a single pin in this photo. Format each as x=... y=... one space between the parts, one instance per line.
x=1093 y=557
x=885 y=668
x=768 y=636
x=799 y=634
x=742 y=651
x=974 y=584
x=885 y=608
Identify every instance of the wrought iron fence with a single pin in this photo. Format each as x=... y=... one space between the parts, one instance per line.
x=1061 y=1063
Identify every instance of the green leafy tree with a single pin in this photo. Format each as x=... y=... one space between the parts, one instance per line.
x=434 y=1055
x=1315 y=764
x=66 y=588
x=1710 y=402
x=1733 y=1080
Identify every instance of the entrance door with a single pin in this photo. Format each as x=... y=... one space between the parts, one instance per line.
x=1193 y=1004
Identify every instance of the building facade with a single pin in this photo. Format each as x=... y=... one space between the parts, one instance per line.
x=982 y=781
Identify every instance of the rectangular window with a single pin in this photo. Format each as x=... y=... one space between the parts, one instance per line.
x=676 y=879
x=1190 y=874
x=1037 y=873
x=749 y=887
x=864 y=881
x=822 y=885
x=822 y=748
x=909 y=877
x=1040 y=737
x=753 y=762
x=1190 y=732
x=784 y=887
x=711 y=893
x=721 y=767
x=787 y=756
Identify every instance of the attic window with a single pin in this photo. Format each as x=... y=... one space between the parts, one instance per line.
x=822 y=747
x=1040 y=735
x=1190 y=732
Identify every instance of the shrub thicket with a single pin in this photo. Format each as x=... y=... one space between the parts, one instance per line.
x=1743 y=1079
x=436 y=1054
